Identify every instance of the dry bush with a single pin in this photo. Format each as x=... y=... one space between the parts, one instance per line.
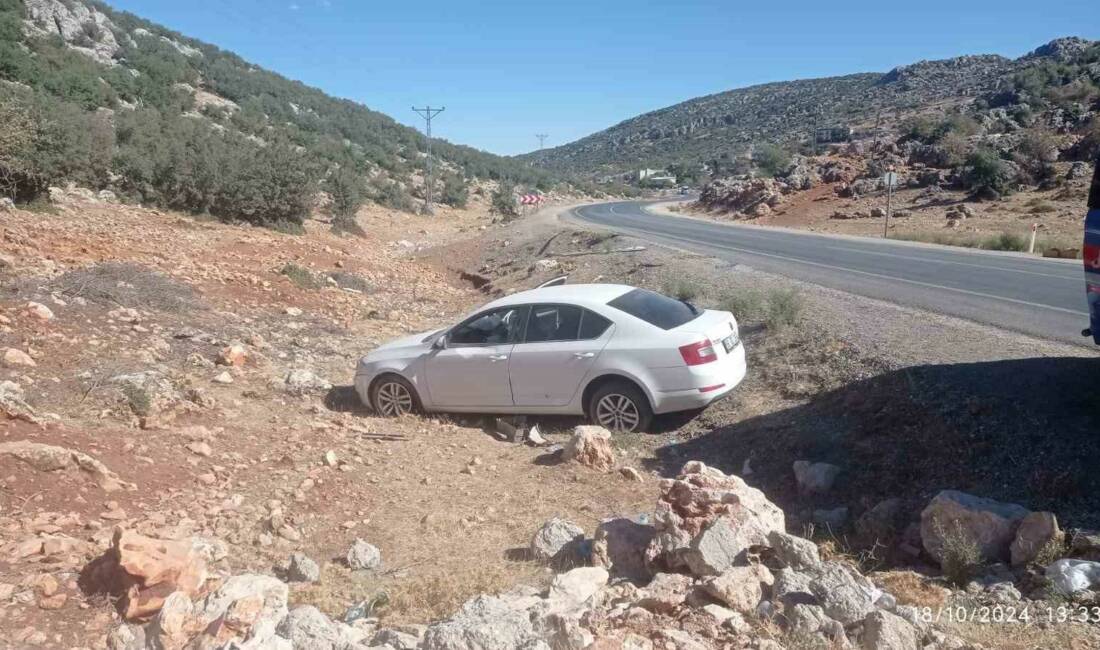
x=962 y=557
x=346 y=280
x=125 y=284
x=300 y=276
x=776 y=309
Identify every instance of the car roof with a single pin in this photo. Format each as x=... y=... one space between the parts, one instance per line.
x=579 y=294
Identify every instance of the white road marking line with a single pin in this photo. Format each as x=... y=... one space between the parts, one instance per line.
x=878 y=275
x=936 y=261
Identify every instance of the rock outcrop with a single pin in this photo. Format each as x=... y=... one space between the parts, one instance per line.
x=590 y=446
x=988 y=524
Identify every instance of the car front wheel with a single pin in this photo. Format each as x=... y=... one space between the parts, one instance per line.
x=621 y=408
x=392 y=396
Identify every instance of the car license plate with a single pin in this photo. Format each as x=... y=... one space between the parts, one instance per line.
x=729 y=343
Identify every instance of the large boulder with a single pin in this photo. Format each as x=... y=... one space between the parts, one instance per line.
x=590 y=446
x=706 y=520
x=843 y=593
x=483 y=623
x=51 y=458
x=620 y=547
x=302 y=568
x=306 y=627
x=794 y=552
x=363 y=556
x=886 y=631
x=554 y=536
x=147 y=571
x=1038 y=532
x=578 y=585
x=740 y=588
x=815 y=478
x=957 y=517
x=665 y=592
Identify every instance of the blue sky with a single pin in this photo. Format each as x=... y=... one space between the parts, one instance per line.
x=508 y=70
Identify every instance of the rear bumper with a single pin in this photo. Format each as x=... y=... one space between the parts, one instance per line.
x=726 y=373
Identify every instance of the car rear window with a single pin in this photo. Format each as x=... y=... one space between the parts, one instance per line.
x=655 y=309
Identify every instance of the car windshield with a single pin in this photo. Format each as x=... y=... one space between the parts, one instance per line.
x=655 y=309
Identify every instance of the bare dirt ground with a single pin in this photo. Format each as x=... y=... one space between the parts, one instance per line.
x=134 y=370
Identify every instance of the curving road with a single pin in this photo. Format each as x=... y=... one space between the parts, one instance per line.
x=1041 y=297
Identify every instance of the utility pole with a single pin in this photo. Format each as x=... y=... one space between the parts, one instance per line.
x=428 y=113
x=542 y=139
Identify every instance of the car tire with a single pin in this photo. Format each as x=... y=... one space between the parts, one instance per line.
x=392 y=396
x=620 y=407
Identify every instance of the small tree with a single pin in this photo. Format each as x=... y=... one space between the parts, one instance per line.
x=987 y=173
x=18 y=177
x=504 y=201
x=346 y=187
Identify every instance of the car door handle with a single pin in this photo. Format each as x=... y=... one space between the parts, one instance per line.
x=498 y=357
x=583 y=355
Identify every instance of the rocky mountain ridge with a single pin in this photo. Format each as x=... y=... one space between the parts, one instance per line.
x=726 y=124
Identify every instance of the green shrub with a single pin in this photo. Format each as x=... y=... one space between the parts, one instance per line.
x=300 y=276
x=776 y=309
x=1005 y=242
x=785 y=308
x=747 y=306
x=986 y=171
x=390 y=194
x=771 y=159
x=455 y=192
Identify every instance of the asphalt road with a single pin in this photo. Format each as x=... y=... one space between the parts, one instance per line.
x=1040 y=297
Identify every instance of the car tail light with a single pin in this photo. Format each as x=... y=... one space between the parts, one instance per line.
x=1092 y=257
x=696 y=354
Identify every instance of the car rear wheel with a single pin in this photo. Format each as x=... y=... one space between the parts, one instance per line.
x=620 y=407
x=392 y=396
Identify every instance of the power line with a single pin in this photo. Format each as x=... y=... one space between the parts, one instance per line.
x=428 y=113
x=542 y=139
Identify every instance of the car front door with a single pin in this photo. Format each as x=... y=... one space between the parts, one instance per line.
x=472 y=369
x=560 y=347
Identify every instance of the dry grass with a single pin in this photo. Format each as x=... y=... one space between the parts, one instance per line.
x=124 y=284
x=416 y=594
x=912 y=588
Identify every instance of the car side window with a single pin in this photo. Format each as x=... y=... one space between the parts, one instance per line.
x=496 y=327
x=592 y=326
x=553 y=323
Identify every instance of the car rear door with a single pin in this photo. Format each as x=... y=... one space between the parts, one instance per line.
x=472 y=370
x=561 y=344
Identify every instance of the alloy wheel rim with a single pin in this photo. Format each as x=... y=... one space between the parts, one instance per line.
x=617 y=412
x=394 y=399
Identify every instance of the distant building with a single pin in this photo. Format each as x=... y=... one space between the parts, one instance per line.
x=829 y=134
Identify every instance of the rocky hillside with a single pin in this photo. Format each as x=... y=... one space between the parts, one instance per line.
x=110 y=101
x=721 y=126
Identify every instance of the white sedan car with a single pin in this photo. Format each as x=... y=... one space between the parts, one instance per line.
x=613 y=353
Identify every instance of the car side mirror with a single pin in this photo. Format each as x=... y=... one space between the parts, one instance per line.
x=440 y=343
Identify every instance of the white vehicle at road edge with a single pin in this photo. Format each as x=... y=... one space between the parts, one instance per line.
x=613 y=353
